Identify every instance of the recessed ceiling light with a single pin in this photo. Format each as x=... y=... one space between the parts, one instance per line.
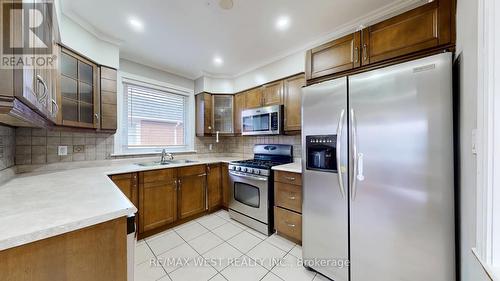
x=218 y=61
x=282 y=23
x=226 y=4
x=136 y=24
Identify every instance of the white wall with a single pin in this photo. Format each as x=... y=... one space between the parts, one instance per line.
x=214 y=85
x=156 y=74
x=467 y=28
x=83 y=42
x=287 y=66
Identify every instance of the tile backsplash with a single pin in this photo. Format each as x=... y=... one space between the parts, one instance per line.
x=39 y=146
x=242 y=146
x=7 y=147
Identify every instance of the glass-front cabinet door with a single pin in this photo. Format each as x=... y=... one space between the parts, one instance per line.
x=223 y=113
x=78 y=94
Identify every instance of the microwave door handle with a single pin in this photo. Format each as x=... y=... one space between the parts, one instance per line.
x=339 y=151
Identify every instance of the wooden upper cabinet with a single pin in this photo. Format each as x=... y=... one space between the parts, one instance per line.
x=293 y=102
x=204 y=114
x=108 y=114
x=214 y=186
x=192 y=191
x=253 y=98
x=157 y=199
x=128 y=184
x=336 y=56
x=273 y=93
x=422 y=28
x=222 y=113
x=80 y=100
x=239 y=105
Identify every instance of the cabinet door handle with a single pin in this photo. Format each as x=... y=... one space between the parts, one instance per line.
x=42 y=97
x=289 y=224
x=365 y=52
x=96 y=116
x=292 y=197
x=202 y=175
x=356 y=54
x=289 y=178
x=56 y=108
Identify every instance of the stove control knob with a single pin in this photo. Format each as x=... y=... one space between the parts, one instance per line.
x=244 y=169
x=256 y=171
x=250 y=170
x=238 y=168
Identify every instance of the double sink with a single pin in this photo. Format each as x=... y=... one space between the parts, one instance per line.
x=166 y=162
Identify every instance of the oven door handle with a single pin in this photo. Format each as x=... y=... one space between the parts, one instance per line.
x=248 y=176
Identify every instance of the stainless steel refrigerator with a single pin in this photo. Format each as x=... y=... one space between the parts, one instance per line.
x=378 y=184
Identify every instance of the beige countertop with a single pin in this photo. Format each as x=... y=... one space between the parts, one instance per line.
x=295 y=167
x=42 y=204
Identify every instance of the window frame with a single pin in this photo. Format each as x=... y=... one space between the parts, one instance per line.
x=488 y=137
x=121 y=135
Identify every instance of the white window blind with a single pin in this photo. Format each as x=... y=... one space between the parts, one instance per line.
x=155 y=118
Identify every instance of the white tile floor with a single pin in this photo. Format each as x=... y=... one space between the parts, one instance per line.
x=231 y=250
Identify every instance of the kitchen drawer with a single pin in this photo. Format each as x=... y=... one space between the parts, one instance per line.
x=191 y=171
x=288 y=196
x=288 y=224
x=288 y=177
x=165 y=175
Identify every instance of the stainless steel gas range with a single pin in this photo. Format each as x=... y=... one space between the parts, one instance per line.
x=251 y=181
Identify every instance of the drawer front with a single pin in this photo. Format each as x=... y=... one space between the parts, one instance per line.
x=288 y=196
x=287 y=177
x=165 y=175
x=191 y=170
x=288 y=224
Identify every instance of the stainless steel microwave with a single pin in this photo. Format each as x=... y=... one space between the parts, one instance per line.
x=262 y=121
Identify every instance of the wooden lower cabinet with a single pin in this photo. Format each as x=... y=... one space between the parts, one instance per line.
x=288 y=205
x=226 y=186
x=128 y=184
x=192 y=183
x=288 y=224
x=97 y=253
x=157 y=199
x=214 y=186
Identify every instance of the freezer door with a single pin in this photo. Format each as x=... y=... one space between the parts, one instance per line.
x=325 y=200
x=402 y=190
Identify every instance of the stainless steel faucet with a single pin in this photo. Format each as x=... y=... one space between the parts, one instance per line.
x=164 y=155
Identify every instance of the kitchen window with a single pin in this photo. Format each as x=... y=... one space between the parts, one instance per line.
x=488 y=135
x=154 y=119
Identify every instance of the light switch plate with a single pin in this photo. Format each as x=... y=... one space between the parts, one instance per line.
x=62 y=150
x=474 y=141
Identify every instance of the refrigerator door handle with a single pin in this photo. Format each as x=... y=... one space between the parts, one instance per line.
x=354 y=155
x=360 y=175
x=339 y=151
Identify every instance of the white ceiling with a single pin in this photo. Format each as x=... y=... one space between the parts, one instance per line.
x=183 y=36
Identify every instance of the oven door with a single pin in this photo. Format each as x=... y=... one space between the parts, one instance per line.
x=249 y=195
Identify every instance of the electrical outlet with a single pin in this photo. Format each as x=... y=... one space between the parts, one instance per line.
x=62 y=150
x=78 y=148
